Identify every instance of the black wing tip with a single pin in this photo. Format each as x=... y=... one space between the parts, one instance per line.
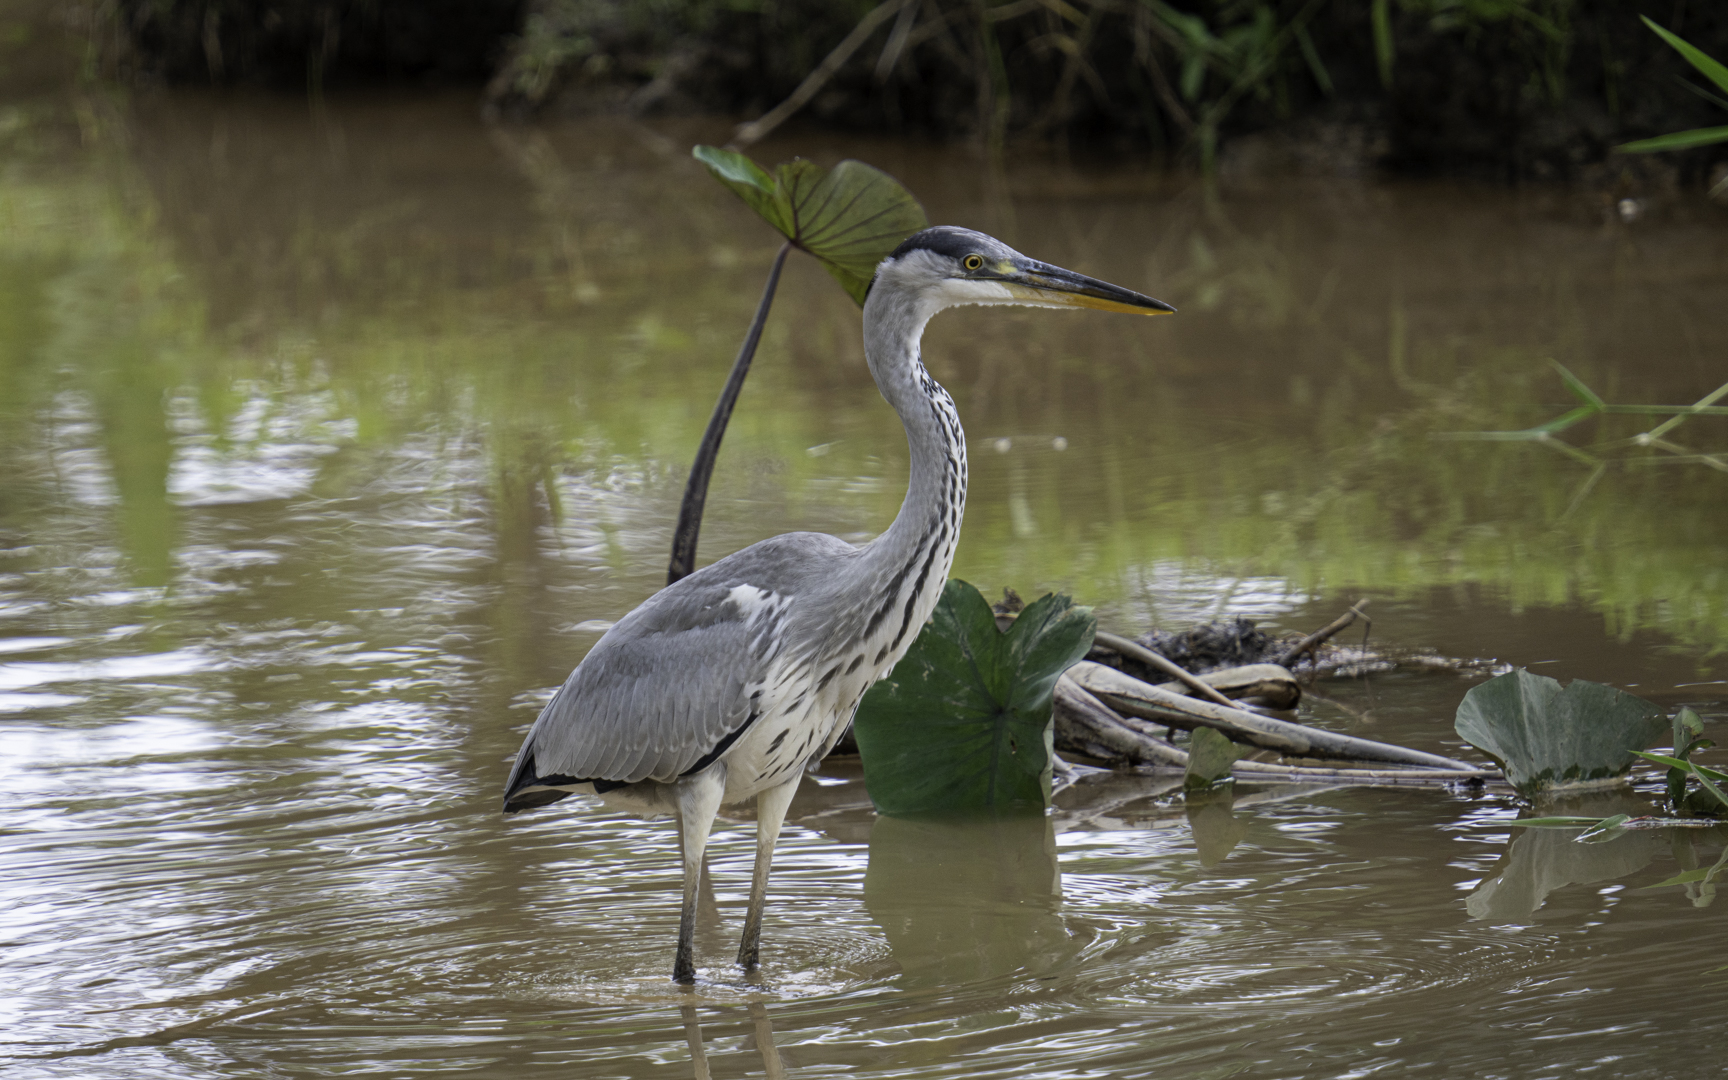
x=528 y=790
x=516 y=802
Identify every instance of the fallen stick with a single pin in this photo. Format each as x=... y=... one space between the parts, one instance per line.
x=1136 y=651
x=1324 y=634
x=1129 y=738
x=1093 y=725
x=1262 y=770
x=1129 y=695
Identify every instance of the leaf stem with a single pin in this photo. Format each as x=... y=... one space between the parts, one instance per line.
x=696 y=488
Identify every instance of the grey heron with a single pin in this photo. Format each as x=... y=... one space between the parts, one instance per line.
x=735 y=680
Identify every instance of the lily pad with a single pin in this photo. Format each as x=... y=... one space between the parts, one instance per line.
x=963 y=721
x=1549 y=739
x=850 y=217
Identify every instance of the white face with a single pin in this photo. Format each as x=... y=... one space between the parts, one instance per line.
x=933 y=278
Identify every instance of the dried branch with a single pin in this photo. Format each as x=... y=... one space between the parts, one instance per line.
x=1325 y=633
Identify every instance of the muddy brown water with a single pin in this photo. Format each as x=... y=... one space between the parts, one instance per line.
x=331 y=438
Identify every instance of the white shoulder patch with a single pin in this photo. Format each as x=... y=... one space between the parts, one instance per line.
x=749 y=600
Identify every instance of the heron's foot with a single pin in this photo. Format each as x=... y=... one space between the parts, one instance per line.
x=750 y=957
x=684 y=967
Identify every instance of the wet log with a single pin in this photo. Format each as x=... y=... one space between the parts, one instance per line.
x=1130 y=696
x=1087 y=725
x=1270 y=683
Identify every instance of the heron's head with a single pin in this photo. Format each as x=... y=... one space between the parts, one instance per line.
x=945 y=266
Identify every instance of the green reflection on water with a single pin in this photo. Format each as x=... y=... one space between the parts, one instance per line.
x=557 y=308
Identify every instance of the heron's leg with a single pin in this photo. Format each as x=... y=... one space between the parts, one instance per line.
x=765 y=1042
x=698 y=802
x=707 y=907
x=770 y=812
x=693 y=1036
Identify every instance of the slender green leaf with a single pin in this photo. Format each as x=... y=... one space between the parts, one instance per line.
x=1547 y=738
x=963 y=721
x=1605 y=830
x=1561 y=822
x=1707 y=783
x=1579 y=390
x=850 y=217
x=1689 y=766
x=1688 y=738
x=1679 y=140
x=1711 y=69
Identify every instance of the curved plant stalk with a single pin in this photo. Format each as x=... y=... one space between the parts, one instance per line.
x=696 y=488
x=850 y=218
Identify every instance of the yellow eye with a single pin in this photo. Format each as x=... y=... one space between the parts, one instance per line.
x=973 y=262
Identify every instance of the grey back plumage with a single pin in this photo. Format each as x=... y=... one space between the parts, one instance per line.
x=673 y=678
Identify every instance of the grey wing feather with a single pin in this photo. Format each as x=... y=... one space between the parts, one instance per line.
x=671 y=680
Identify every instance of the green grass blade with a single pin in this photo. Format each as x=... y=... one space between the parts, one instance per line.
x=1557 y=822
x=1579 y=390
x=1603 y=831
x=1679 y=140
x=1677 y=763
x=1712 y=70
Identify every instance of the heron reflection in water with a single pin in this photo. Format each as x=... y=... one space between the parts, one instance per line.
x=735 y=680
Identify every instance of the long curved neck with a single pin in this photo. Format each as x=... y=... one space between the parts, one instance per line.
x=928 y=526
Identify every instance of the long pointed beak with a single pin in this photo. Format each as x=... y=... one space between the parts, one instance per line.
x=1041 y=283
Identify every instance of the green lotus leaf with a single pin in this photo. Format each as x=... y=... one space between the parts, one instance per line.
x=850 y=217
x=1548 y=739
x=963 y=721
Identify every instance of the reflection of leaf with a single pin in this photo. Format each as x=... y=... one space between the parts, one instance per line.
x=961 y=901
x=850 y=217
x=1706 y=874
x=1216 y=828
x=1547 y=738
x=963 y=721
x=1540 y=861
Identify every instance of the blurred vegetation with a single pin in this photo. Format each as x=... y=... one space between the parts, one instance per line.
x=1503 y=88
